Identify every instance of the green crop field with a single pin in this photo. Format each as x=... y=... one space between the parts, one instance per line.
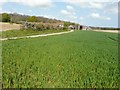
x=83 y=59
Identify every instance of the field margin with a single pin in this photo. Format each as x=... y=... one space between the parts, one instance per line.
x=34 y=36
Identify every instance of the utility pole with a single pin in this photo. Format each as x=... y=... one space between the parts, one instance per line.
x=11 y=20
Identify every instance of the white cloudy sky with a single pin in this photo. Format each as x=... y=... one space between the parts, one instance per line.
x=93 y=13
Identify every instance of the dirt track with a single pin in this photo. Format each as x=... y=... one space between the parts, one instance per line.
x=33 y=36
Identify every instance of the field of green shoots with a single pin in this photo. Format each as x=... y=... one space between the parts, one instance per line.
x=81 y=59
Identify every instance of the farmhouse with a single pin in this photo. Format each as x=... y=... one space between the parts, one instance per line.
x=78 y=27
x=71 y=27
x=61 y=25
x=82 y=27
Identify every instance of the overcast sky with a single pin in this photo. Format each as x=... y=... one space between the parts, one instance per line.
x=94 y=13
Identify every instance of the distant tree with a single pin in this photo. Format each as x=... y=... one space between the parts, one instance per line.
x=5 y=17
x=32 y=19
x=73 y=23
x=66 y=25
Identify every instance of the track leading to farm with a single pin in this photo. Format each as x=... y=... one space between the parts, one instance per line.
x=33 y=36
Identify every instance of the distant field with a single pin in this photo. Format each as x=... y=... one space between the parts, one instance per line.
x=110 y=31
x=79 y=59
x=8 y=26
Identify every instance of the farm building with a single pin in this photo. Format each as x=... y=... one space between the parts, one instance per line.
x=82 y=27
x=79 y=27
x=40 y=25
x=71 y=27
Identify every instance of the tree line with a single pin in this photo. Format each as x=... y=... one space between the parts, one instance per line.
x=17 y=18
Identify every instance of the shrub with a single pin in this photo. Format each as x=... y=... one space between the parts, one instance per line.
x=32 y=19
x=5 y=17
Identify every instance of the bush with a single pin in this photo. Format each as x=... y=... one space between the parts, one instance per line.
x=32 y=19
x=40 y=27
x=5 y=17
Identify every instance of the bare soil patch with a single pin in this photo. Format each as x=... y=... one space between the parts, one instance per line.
x=8 y=26
x=110 y=31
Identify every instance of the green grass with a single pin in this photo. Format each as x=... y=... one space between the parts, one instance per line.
x=83 y=59
x=18 y=33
